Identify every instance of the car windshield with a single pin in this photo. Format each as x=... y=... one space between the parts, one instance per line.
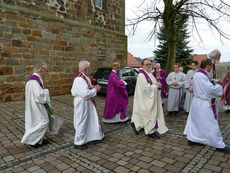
x=103 y=73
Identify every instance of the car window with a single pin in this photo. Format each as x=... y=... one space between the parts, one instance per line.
x=135 y=72
x=127 y=72
x=103 y=73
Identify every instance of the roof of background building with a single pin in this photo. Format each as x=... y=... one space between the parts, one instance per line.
x=132 y=62
x=199 y=57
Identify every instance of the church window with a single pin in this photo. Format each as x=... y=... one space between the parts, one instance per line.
x=99 y=4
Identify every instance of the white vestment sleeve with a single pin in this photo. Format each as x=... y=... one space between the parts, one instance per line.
x=181 y=82
x=169 y=80
x=187 y=80
x=80 y=88
x=40 y=95
x=211 y=90
x=147 y=88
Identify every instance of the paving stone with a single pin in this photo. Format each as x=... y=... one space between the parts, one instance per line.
x=205 y=171
x=129 y=153
x=39 y=171
x=172 y=168
x=145 y=159
x=158 y=163
x=155 y=169
x=8 y=158
x=212 y=167
x=167 y=160
x=110 y=165
x=143 y=171
x=31 y=169
x=121 y=169
x=121 y=162
x=143 y=165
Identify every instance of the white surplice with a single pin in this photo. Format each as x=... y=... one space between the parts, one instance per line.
x=86 y=122
x=175 y=92
x=36 y=117
x=201 y=126
x=147 y=107
x=189 y=95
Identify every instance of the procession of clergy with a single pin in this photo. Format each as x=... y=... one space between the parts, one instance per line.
x=195 y=92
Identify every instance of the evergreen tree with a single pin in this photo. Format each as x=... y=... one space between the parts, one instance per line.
x=183 y=51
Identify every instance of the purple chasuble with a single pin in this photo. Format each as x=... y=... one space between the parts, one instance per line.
x=164 y=87
x=225 y=99
x=116 y=97
x=213 y=99
x=35 y=77
x=150 y=82
x=79 y=74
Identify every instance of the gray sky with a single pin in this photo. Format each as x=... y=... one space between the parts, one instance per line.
x=140 y=46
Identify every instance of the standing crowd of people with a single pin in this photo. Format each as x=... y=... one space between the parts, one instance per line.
x=195 y=92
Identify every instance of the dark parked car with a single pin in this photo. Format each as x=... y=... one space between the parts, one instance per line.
x=128 y=74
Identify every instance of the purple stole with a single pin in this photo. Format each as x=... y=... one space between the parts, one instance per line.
x=146 y=76
x=79 y=74
x=213 y=99
x=214 y=71
x=34 y=77
x=150 y=82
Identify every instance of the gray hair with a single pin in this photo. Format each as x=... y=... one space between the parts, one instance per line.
x=214 y=53
x=158 y=64
x=83 y=65
x=39 y=66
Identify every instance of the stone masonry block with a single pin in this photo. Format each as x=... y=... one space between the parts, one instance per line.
x=2 y=61
x=37 y=33
x=17 y=43
x=6 y=70
x=55 y=31
x=49 y=35
x=12 y=61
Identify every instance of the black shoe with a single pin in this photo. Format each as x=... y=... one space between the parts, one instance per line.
x=35 y=146
x=96 y=141
x=80 y=147
x=191 y=143
x=176 y=113
x=45 y=142
x=224 y=150
x=170 y=113
x=154 y=136
x=227 y=111
x=134 y=128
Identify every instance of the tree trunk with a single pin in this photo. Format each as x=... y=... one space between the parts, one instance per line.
x=171 y=54
x=171 y=37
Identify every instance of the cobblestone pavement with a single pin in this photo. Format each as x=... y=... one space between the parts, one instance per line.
x=120 y=151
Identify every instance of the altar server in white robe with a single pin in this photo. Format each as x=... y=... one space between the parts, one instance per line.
x=202 y=123
x=36 y=116
x=175 y=80
x=188 y=86
x=181 y=69
x=86 y=119
x=147 y=107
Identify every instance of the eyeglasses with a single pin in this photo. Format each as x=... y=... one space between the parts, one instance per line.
x=46 y=70
x=148 y=64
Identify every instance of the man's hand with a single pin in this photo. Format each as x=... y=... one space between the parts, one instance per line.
x=97 y=87
x=190 y=90
x=174 y=84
